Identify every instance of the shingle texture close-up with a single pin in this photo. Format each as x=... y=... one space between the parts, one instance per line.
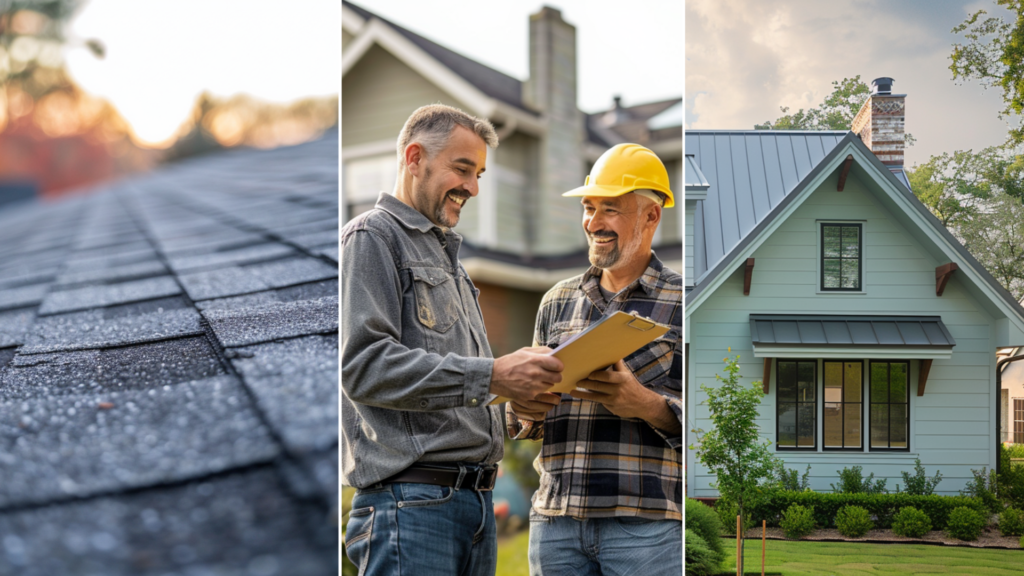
x=169 y=372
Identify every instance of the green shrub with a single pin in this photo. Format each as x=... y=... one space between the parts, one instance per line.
x=853 y=521
x=702 y=521
x=797 y=522
x=881 y=506
x=911 y=522
x=727 y=511
x=1014 y=450
x=1022 y=541
x=1011 y=522
x=788 y=480
x=700 y=559
x=985 y=486
x=852 y=481
x=919 y=484
x=965 y=524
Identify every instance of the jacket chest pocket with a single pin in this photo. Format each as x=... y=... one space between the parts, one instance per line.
x=437 y=298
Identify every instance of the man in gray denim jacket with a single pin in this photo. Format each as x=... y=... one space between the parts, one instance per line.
x=418 y=438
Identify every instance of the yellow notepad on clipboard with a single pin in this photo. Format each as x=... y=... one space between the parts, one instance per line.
x=602 y=344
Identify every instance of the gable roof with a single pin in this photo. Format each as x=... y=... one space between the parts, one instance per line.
x=491 y=82
x=755 y=220
x=168 y=370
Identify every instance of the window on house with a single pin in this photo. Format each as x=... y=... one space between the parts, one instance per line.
x=364 y=179
x=1018 y=420
x=890 y=405
x=796 y=403
x=843 y=406
x=841 y=257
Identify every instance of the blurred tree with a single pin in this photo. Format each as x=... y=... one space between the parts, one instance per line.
x=994 y=56
x=836 y=112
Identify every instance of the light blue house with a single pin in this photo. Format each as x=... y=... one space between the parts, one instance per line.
x=873 y=330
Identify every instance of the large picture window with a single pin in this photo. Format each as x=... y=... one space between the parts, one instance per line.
x=890 y=405
x=843 y=406
x=796 y=403
x=841 y=257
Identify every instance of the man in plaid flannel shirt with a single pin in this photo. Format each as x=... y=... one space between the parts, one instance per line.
x=610 y=496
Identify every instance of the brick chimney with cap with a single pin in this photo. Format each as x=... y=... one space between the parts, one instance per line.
x=880 y=122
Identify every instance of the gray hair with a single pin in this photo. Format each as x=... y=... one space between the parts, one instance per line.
x=431 y=127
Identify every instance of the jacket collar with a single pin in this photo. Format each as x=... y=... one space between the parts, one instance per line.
x=406 y=215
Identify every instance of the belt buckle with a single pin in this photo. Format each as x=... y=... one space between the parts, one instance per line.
x=480 y=476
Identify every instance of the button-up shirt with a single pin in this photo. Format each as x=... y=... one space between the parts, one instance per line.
x=593 y=463
x=415 y=363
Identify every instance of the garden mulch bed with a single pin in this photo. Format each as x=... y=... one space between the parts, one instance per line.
x=989 y=538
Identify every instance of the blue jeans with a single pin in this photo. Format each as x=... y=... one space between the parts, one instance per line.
x=564 y=546
x=422 y=530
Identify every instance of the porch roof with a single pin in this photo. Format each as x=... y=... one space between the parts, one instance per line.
x=832 y=336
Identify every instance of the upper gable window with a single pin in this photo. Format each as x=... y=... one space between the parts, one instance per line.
x=841 y=263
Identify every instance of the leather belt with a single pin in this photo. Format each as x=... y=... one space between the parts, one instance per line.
x=480 y=479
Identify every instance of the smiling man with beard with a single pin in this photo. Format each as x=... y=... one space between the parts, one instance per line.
x=419 y=441
x=610 y=496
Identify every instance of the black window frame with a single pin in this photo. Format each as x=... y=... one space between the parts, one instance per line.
x=860 y=256
x=1018 y=420
x=779 y=402
x=844 y=448
x=888 y=403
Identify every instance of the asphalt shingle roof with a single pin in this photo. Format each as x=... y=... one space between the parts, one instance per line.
x=168 y=372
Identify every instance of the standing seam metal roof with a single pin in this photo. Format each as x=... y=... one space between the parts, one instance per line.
x=748 y=172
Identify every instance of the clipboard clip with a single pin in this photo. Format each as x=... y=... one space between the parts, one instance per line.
x=641 y=324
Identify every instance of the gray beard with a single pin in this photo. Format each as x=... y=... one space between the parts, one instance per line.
x=441 y=216
x=606 y=260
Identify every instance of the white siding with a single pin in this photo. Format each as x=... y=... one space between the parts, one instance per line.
x=951 y=425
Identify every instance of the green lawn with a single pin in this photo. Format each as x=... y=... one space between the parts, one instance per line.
x=848 y=559
x=512 y=555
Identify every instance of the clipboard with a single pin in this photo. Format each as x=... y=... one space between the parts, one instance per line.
x=602 y=344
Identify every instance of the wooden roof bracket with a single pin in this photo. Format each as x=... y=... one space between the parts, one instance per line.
x=845 y=172
x=748 y=271
x=942 y=274
x=767 y=375
x=922 y=378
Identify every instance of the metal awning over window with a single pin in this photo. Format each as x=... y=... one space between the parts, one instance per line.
x=827 y=336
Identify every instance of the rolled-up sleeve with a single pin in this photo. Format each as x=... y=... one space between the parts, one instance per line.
x=376 y=368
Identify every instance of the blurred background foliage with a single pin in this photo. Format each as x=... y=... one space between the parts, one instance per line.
x=55 y=137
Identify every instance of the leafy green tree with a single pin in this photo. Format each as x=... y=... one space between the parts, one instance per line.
x=993 y=54
x=733 y=449
x=835 y=113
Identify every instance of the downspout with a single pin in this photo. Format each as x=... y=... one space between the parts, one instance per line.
x=999 y=394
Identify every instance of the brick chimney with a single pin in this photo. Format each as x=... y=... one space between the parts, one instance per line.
x=880 y=122
x=551 y=90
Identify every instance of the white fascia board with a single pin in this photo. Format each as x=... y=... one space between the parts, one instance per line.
x=524 y=121
x=843 y=352
x=514 y=276
x=377 y=32
x=770 y=229
x=672 y=148
x=350 y=21
x=1013 y=332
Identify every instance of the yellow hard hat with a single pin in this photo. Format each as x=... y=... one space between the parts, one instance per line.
x=623 y=169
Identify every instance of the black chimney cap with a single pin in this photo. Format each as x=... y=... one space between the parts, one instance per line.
x=882 y=85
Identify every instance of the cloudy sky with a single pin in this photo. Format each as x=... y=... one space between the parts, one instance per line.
x=161 y=54
x=632 y=50
x=746 y=58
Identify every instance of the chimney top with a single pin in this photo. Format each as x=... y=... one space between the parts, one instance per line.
x=618 y=101
x=882 y=85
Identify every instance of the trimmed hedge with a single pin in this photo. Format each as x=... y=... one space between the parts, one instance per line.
x=703 y=521
x=700 y=559
x=911 y=522
x=965 y=524
x=853 y=521
x=882 y=506
x=1011 y=522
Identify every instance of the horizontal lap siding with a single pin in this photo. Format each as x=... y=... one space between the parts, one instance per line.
x=951 y=425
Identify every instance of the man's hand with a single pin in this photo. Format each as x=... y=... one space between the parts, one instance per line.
x=537 y=408
x=525 y=373
x=623 y=395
